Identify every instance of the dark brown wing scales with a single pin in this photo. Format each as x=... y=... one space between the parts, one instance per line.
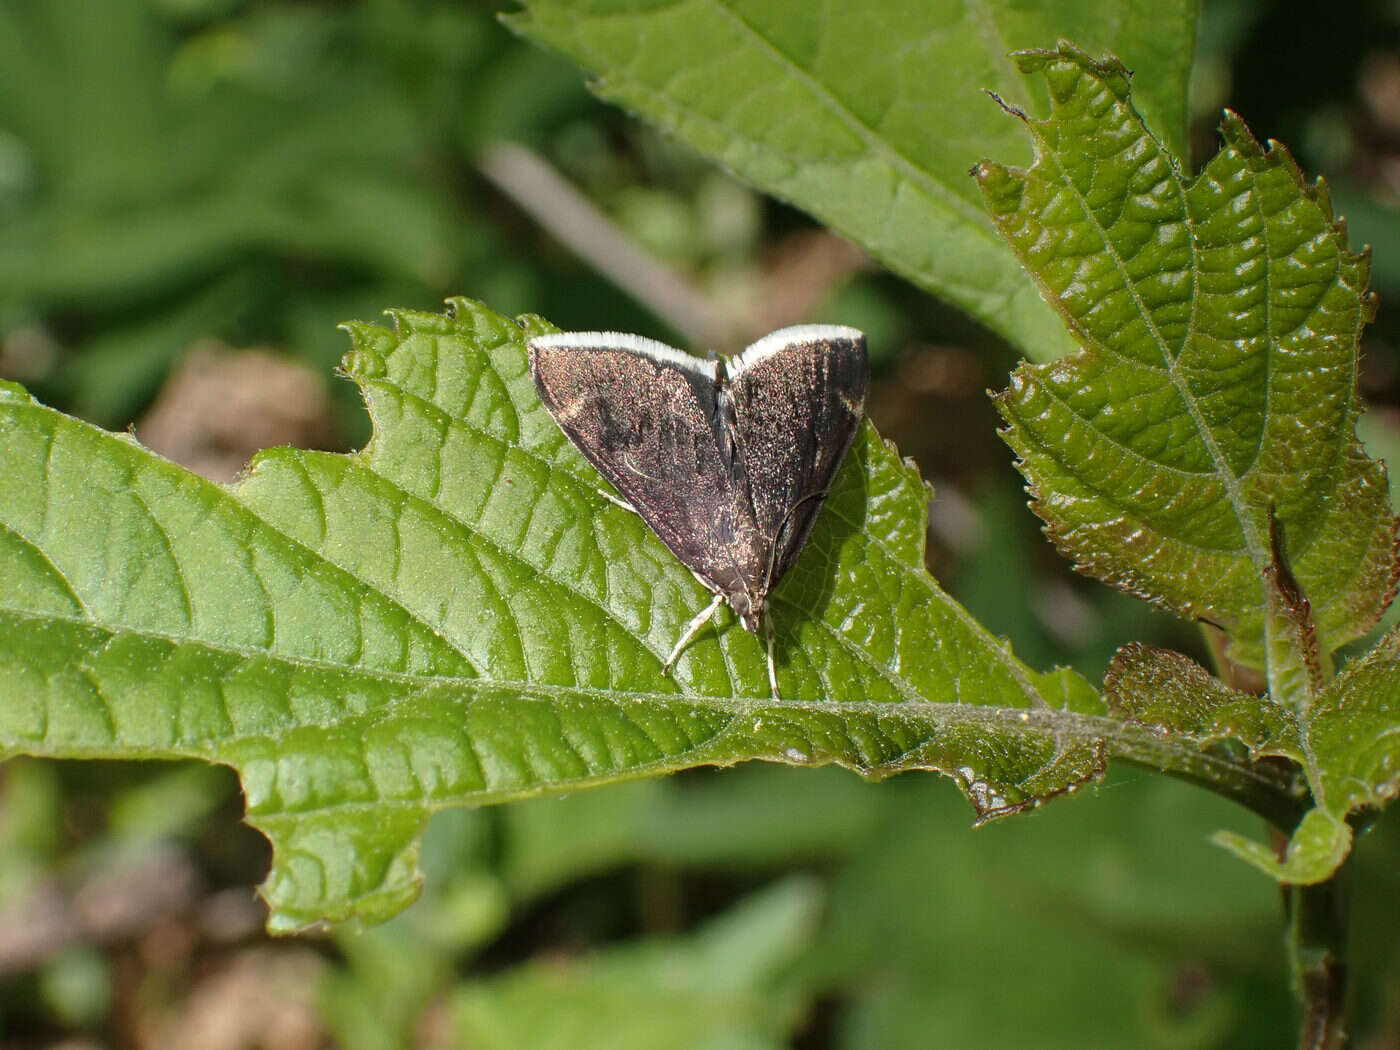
x=648 y=426
x=797 y=409
x=728 y=464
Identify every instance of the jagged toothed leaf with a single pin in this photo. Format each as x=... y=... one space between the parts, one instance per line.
x=1158 y=687
x=1200 y=450
x=457 y=615
x=868 y=115
x=1219 y=319
x=1346 y=742
x=1352 y=741
x=1349 y=748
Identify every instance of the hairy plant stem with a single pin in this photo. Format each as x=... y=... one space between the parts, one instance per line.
x=1316 y=943
x=1316 y=915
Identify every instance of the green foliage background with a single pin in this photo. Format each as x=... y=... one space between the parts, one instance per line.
x=263 y=172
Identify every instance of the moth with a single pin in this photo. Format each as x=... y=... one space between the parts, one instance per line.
x=728 y=460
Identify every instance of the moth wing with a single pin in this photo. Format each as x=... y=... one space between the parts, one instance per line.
x=798 y=398
x=644 y=419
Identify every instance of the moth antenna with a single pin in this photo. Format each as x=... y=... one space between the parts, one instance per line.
x=777 y=536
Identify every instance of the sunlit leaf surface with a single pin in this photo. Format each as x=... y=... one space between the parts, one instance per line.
x=456 y=614
x=869 y=115
x=1219 y=318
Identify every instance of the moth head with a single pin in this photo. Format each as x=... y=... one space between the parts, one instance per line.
x=749 y=606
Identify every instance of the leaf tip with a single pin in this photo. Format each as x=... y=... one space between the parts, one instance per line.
x=1068 y=772
x=1109 y=70
x=10 y=391
x=532 y=325
x=362 y=364
x=1002 y=188
x=1015 y=111
x=518 y=22
x=1316 y=850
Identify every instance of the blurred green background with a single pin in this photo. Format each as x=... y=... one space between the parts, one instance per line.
x=193 y=193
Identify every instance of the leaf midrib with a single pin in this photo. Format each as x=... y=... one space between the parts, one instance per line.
x=1052 y=451
x=482 y=682
x=1254 y=548
x=1063 y=726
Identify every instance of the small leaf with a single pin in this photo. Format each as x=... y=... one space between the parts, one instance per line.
x=1314 y=853
x=1219 y=319
x=1346 y=743
x=1157 y=687
x=866 y=115
x=457 y=615
x=1352 y=744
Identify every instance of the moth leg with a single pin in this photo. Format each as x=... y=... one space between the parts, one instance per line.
x=772 y=667
x=620 y=502
x=700 y=620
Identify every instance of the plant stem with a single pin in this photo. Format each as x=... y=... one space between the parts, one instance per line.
x=1317 y=957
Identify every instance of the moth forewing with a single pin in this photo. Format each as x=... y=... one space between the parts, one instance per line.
x=798 y=405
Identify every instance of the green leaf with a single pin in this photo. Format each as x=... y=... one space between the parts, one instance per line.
x=693 y=822
x=1161 y=688
x=457 y=615
x=1114 y=901
x=1219 y=319
x=145 y=177
x=1352 y=741
x=867 y=115
x=1314 y=852
x=725 y=986
x=1346 y=743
